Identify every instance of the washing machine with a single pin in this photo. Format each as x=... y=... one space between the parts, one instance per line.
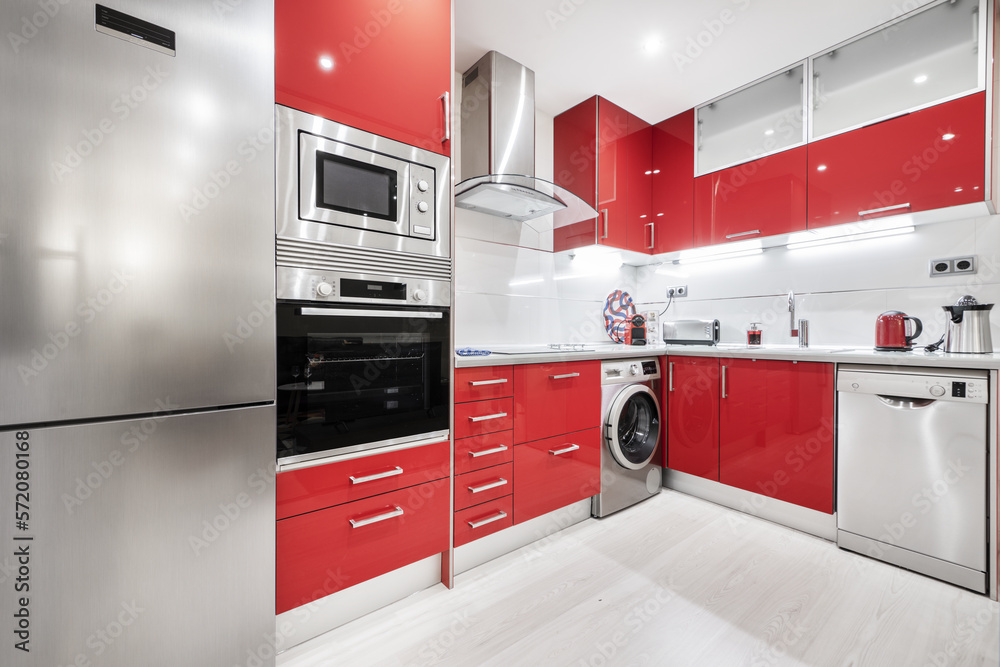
x=630 y=434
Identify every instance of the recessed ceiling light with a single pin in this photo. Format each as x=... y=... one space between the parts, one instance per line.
x=652 y=45
x=920 y=78
x=768 y=132
x=326 y=62
x=948 y=136
x=821 y=167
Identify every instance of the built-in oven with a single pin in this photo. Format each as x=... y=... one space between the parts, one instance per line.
x=353 y=377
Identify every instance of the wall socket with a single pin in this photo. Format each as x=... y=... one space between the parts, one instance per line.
x=952 y=265
x=677 y=291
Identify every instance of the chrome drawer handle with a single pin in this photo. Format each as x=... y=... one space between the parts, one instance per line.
x=739 y=234
x=378 y=475
x=652 y=236
x=375 y=519
x=499 y=415
x=446 y=105
x=557 y=452
x=499 y=515
x=486 y=487
x=480 y=383
x=670 y=366
x=495 y=450
x=563 y=377
x=883 y=210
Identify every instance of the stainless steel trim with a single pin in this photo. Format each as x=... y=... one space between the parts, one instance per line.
x=482 y=383
x=564 y=377
x=358 y=523
x=499 y=415
x=499 y=515
x=723 y=382
x=352 y=312
x=884 y=209
x=446 y=103
x=376 y=476
x=739 y=234
x=349 y=260
x=486 y=487
x=566 y=450
x=670 y=376
x=604 y=216
x=993 y=536
x=652 y=232
x=134 y=40
x=361 y=451
x=485 y=452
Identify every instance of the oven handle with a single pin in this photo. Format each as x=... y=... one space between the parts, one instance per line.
x=337 y=312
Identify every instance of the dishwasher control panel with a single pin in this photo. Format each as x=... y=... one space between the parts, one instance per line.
x=962 y=386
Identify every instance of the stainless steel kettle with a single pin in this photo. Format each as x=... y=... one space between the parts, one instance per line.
x=969 y=327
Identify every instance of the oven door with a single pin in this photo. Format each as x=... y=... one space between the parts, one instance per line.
x=344 y=185
x=359 y=377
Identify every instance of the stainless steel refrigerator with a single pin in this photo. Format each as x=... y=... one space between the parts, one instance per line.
x=136 y=333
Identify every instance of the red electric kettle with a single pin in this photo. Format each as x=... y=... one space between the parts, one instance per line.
x=891 y=329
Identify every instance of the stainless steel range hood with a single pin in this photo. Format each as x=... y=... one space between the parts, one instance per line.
x=498 y=148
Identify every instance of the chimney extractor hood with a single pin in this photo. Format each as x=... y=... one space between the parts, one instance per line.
x=498 y=148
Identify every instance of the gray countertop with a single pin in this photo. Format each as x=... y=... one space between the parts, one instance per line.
x=823 y=353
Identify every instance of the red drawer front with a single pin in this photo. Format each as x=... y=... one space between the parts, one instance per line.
x=483 y=451
x=546 y=481
x=556 y=398
x=479 y=384
x=481 y=417
x=310 y=489
x=483 y=520
x=322 y=552
x=905 y=160
x=475 y=488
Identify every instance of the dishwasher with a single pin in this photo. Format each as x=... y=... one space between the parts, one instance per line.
x=912 y=483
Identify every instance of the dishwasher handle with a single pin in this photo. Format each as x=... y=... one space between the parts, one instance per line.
x=904 y=402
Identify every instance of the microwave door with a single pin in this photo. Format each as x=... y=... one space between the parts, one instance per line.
x=346 y=186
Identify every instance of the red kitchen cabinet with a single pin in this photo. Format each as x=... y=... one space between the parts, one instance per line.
x=480 y=417
x=477 y=384
x=612 y=174
x=776 y=430
x=760 y=198
x=692 y=424
x=388 y=65
x=483 y=520
x=555 y=472
x=639 y=233
x=309 y=489
x=483 y=451
x=322 y=552
x=928 y=159
x=672 y=195
x=557 y=398
x=574 y=154
x=480 y=486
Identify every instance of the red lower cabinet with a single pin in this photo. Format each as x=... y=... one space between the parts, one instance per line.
x=483 y=451
x=322 y=552
x=776 y=431
x=550 y=399
x=482 y=520
x=481 y=417
x=692 y=424
x=555 y=472
x=480 y=486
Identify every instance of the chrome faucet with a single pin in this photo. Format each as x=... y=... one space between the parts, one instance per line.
x=800 y=331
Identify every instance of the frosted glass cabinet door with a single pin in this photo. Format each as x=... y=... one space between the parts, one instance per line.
x=926 y=58
x=760 y=119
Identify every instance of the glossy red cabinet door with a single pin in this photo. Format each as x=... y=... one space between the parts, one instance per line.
x=924 y=160
x=480 y=417
x=309 y=489
x=483 y=451
x=639 y=233
x=692 y=399
x=477 y=384
x=483 y=520
x=555 y=472
x=322 y=552
x=391 y=63
x=552 y=399
x=758 y=198
x=612 y=174
x=574 y=154
x=673 y=186
x=776 y=432
x=480 y=486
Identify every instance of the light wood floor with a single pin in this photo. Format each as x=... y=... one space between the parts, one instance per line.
x=674 y=581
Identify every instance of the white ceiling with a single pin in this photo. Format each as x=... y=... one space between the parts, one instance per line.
x=579 y=48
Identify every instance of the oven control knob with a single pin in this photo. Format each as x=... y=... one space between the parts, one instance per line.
x=419 y=295
x=422 y=186
x=324 y=289
x=422 y=207
x=633 y=369
x=937 y=390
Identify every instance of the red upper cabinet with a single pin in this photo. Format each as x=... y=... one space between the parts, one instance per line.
x=639 y=233
x=612 y=174
x=776 y=430
x=574 y=155
x=672 y=196
x=758 y=198
x=378 y=65
x=928 y=159
x=692 y=400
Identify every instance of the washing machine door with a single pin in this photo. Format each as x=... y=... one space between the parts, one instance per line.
x=632 y=426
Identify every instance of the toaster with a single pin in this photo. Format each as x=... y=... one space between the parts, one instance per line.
x=691 y=332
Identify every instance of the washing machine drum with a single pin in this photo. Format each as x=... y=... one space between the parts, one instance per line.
x=632 y=426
